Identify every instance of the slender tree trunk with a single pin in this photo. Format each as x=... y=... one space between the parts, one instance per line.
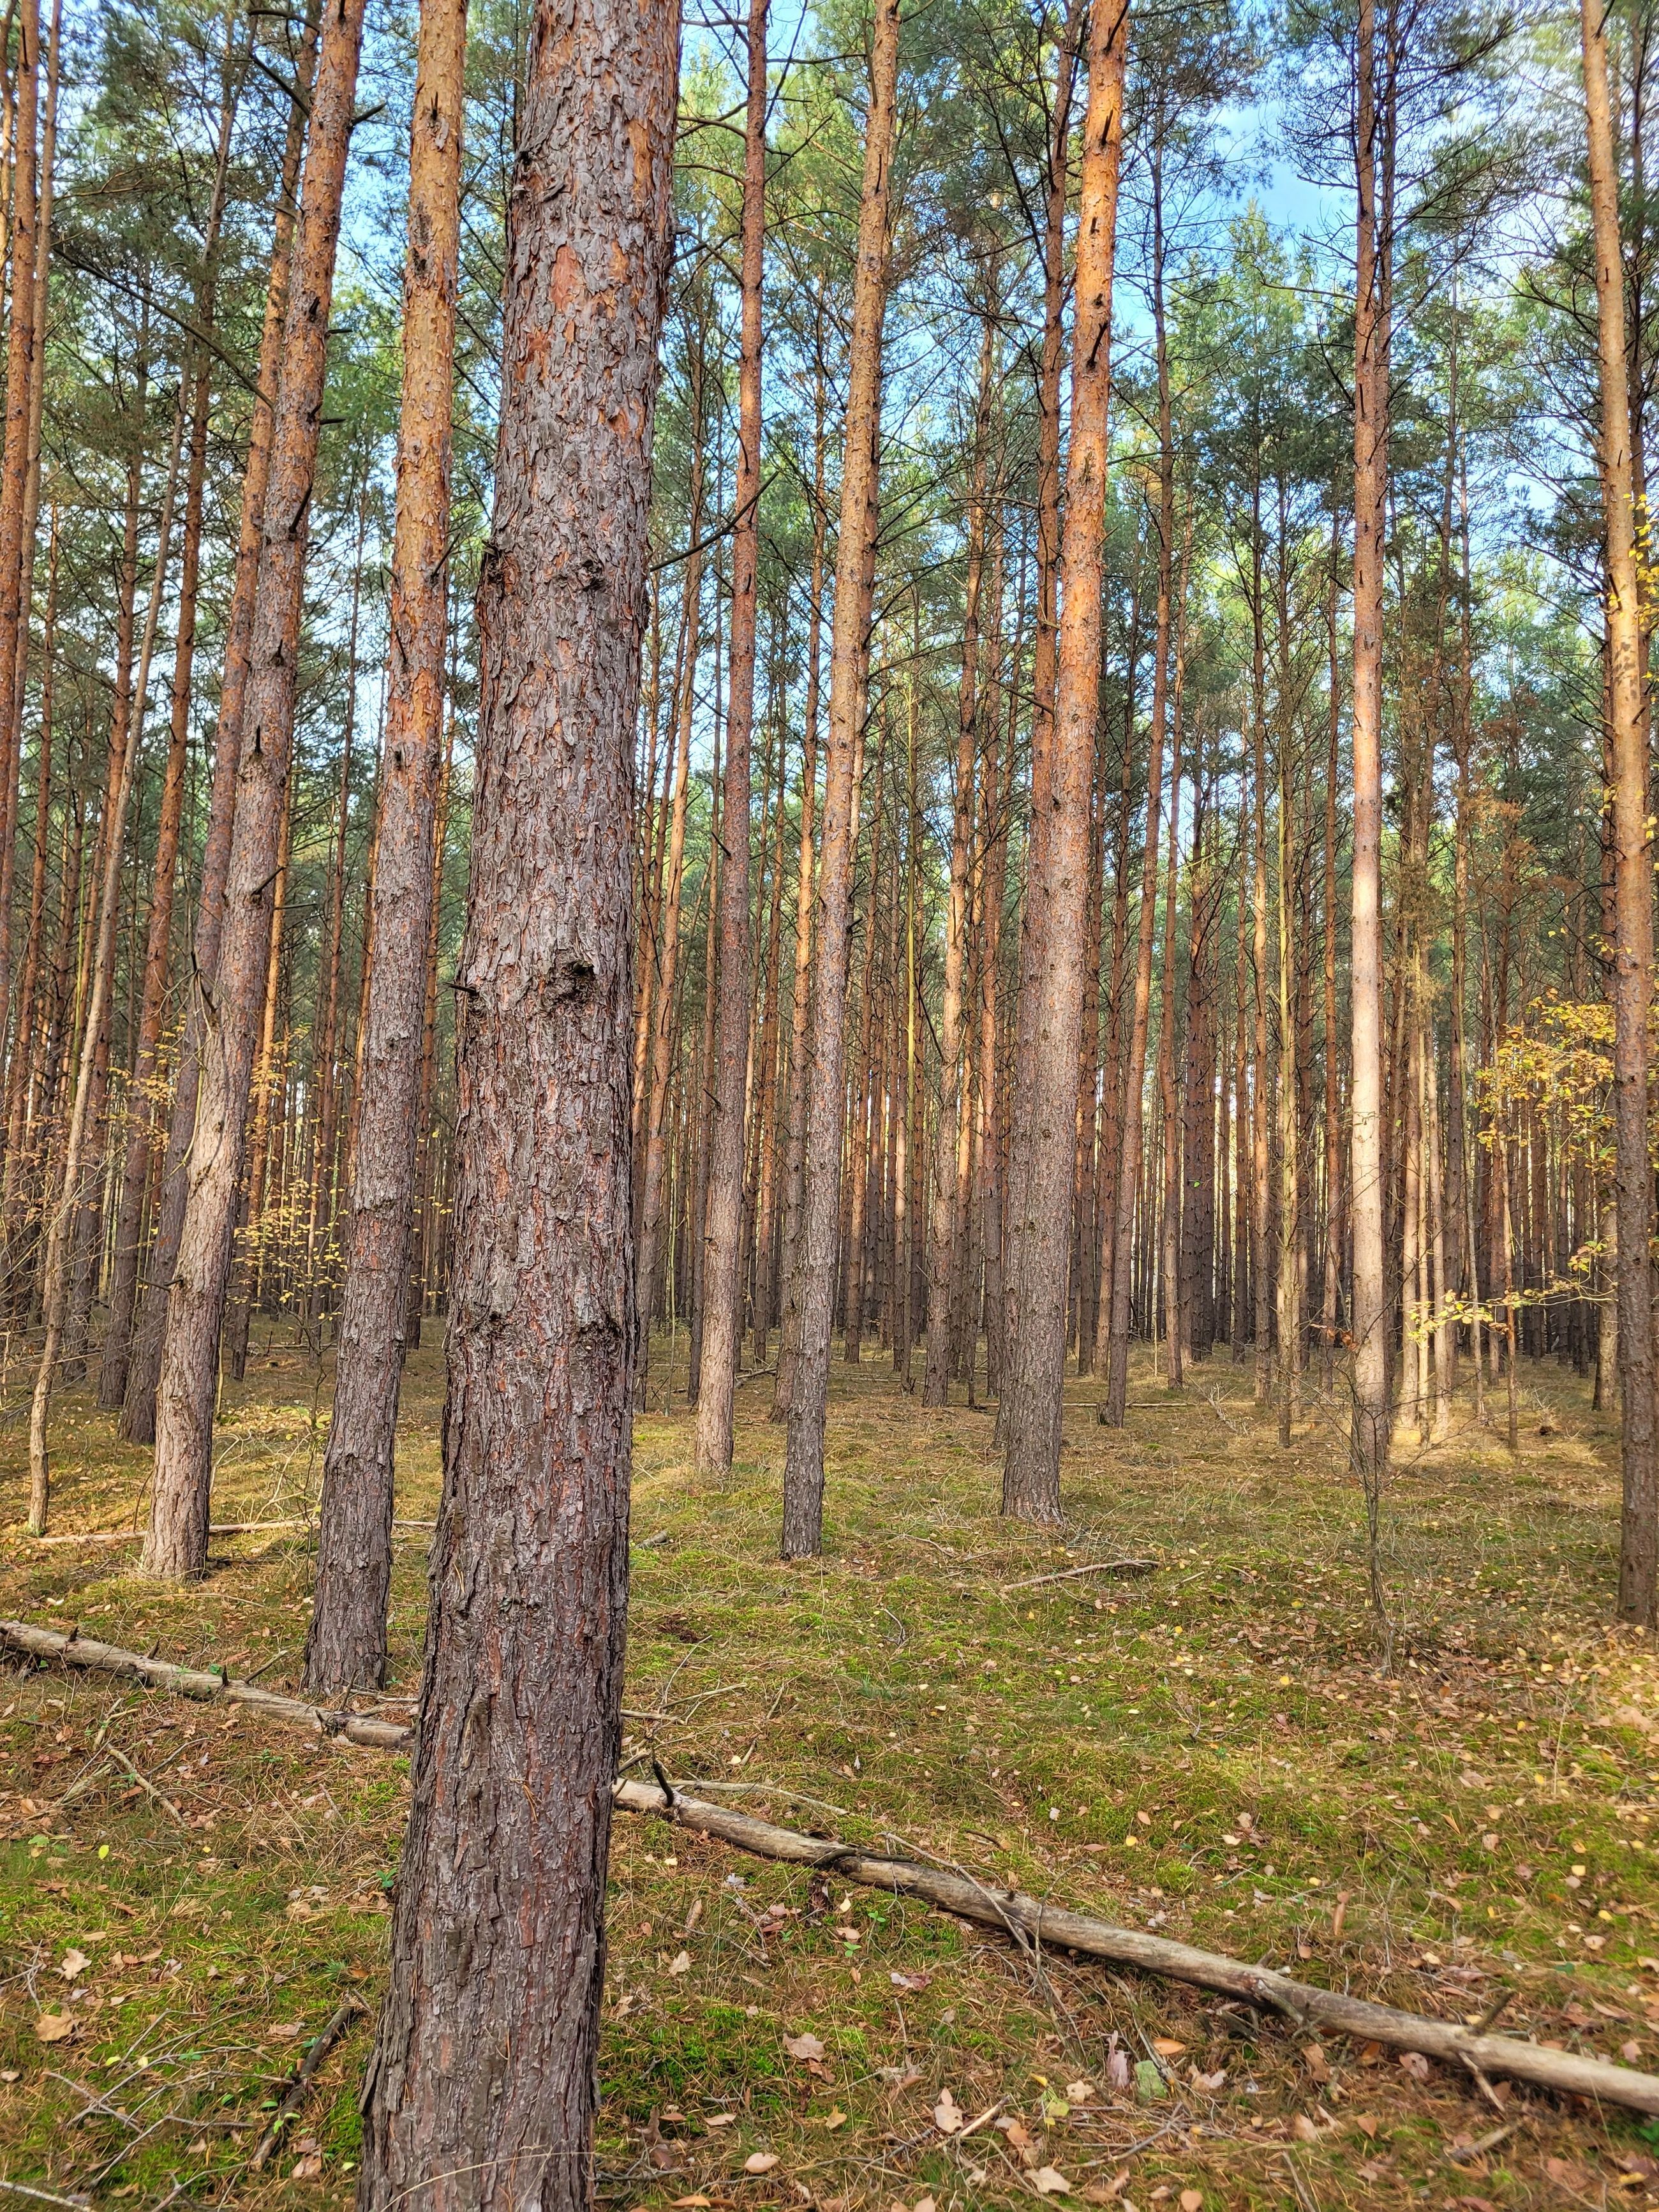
x=141 y=1089
x=21 y=368
x=1016 y=1211
x=860 y=514
x=722 y=1303
x=1289 y=1179
x=1170 y=1209
x=137 y=1422
x=1370 y=1443
x=1048 y=1102
x=25 y=1074
x=126 y=734
x=176 y=1545
x=82 y=1234
x=665 y=999
x=768 y=1083
x=944 y=1225
x=1133 y=1076
x=325 y=1061
x=255 y=1261
x=1632 y=952
x=345 y=1645
x=800 y=1049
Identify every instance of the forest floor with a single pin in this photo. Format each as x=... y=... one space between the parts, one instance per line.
x=1212 y=1751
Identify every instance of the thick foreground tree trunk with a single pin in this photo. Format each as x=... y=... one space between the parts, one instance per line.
x=1631 y=963
x=860 y=514
x=1047 y=1099
x=176 y=1546
x=484 y=2085
x=345 y=1646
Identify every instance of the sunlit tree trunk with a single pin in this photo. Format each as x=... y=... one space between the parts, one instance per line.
x=345 y=1644
x=944 y=1227
x=125 y=739
x=860 y=514
x=1047 y=1098
x=22 y=349
x=176 y=1544
x=137 y=1422
x=1631 y=964
x=1370 y=1439
x=722 y=1299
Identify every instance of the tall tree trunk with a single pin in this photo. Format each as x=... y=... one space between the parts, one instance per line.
x=1631 y=964
x=800 y=1047
x=158 y=949
x=326 y=1082
x=1290 y=1184
x=176 y=1543
x=255 y=1261
x=1047 y=1103
x=1131 y=1076
x=126 y=735
x=722 y=1298
x=25 y=1074
x=345 y=1645
x=1170 y=1209
x=665 y=1006
x=860 y=514
x=22 y=366
x=137 y=1422
x=1369 y=1440
x=484 y=2085
x=945 y=1226
x=1016 y=1213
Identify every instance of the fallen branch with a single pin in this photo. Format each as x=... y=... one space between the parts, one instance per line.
x=193 y=1683
x=1127 y=1567
x=295 y=2095
x=1330 y=2012
x=45 y=2196
x=215 y=1529
x=148 y=1786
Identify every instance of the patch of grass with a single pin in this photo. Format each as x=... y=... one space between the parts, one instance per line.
x=1212 y=1750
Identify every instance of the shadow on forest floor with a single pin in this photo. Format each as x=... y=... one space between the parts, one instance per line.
x=1209 y=1751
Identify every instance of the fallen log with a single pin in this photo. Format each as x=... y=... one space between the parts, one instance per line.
x=1029 y=1920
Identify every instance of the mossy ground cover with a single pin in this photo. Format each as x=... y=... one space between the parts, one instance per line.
x=1212 y=1750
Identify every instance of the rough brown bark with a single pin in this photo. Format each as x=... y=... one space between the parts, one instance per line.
x=137 y=1422
x=345 y=1644
x=484 y=2085
x=1046 y=1101
x=1056 y=189
x=861 y=486
x=722 y=1280
x=176 y=1546
x=1631 y=964
x=21 y=363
